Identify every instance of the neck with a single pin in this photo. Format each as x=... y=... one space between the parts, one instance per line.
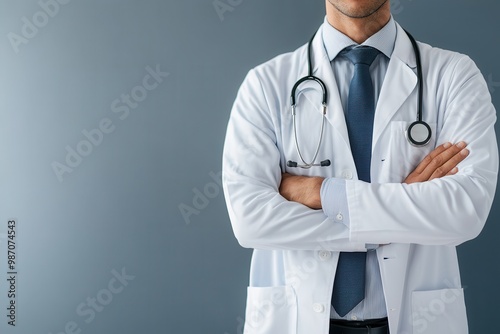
x=359 y=29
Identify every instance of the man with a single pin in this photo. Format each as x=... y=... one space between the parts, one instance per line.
x=366 y=242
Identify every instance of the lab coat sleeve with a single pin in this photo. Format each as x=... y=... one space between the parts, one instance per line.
x=261 y=218
x=445 y=211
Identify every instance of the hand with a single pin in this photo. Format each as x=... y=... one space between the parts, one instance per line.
x=302 y=189
x=440 y=162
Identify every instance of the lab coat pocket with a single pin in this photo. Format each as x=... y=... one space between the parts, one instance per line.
x=271 y=310
x=439 y=311
x=405 y=157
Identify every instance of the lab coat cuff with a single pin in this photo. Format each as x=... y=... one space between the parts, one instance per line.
x=334 y=200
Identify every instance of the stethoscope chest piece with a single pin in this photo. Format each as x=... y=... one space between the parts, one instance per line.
x=419 y=133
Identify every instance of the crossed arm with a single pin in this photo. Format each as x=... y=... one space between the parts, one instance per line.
x=441 y=162
x=265 y=206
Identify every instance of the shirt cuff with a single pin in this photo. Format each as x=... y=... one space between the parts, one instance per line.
x=334 y=200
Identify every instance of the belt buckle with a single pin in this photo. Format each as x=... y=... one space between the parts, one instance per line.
x=375 y=326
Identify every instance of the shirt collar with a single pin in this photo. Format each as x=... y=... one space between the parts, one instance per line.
x=335 y=41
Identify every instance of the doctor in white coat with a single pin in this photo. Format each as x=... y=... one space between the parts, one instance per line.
x=420 y=204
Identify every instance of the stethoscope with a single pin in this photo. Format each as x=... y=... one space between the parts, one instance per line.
x=418 y=133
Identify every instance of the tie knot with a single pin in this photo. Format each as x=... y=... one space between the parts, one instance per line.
x=362 y=55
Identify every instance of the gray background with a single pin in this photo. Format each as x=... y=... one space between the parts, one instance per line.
x=119 y=208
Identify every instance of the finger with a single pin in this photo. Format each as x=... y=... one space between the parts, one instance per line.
x=428 y=159
x=451 y=164
x=439 y=160
x=453 y=171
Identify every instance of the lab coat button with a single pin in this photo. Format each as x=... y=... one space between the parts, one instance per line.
x=318 y=308
x=324 y=255
x=347 y=174
x=354 y=317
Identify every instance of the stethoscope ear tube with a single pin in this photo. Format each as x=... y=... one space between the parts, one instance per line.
x=320 y=82
x=293 y=164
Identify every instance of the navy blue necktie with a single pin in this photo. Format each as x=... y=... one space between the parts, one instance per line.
x=349 y=285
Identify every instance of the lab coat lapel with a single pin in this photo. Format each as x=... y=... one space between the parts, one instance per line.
x=399 y=82
x=323 y=70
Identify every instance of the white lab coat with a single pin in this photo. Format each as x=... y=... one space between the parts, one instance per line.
x=296 y=249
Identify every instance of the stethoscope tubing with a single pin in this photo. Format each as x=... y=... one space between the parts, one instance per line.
x=419 y=123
